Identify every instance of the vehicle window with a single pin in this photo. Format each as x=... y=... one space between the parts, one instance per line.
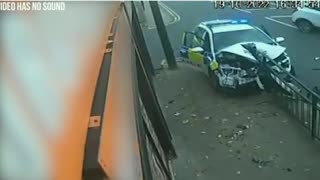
x=197 y=42
x=199 y=32
x=206 y=43
x=191 y=40
x=225 y=39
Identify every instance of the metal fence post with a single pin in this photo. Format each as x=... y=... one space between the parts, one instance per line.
x=314 y=116
x=142 y=4
x=171 y=60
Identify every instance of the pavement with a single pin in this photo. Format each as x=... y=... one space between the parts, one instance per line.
x=301 y=47
x=229 y=137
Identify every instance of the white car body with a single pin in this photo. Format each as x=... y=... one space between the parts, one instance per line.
x=230 y=75
x=308 y=14
x=273 y=51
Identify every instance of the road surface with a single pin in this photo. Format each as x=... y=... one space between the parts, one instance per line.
x=302 y=48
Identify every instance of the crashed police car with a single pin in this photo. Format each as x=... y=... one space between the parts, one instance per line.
x=223 y=50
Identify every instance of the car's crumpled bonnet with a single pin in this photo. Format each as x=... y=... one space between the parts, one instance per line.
x=273 y=51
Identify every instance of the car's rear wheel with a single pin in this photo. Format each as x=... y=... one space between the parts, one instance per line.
x=304 y=25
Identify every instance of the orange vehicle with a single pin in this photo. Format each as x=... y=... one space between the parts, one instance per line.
x=77 y=99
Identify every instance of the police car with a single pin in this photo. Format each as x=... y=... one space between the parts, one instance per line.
x=218 y=47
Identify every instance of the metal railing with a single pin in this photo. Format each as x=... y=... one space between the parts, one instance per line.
x=155 y=140
x=298 y=99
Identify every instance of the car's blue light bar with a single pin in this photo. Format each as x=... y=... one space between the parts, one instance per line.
x=221 y=22
x=242 y=21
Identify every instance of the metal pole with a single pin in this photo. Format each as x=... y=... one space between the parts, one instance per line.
x=171 y=60
x=142 y=4
x=314 y=116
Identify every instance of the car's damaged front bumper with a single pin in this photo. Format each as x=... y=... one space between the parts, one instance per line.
x=232 y=77
x=245 y=63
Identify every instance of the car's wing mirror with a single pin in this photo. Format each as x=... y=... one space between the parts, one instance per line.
x=279 y=39
x=197 y=49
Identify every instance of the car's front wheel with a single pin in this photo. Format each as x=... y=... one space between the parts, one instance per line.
x=304 y=25
x=214 y=80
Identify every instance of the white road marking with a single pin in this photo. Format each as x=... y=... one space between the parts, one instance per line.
x=171 y=12
x=281 y=16
x=280 y=22
x=243 y=10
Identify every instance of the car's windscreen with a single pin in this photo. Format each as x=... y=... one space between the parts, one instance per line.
x=225 y=39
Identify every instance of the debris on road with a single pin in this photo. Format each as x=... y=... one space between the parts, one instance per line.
x=185 y=121
x=177 y=114
x=257 y=147
x=237 y=134
x=181 y=89
x=224 y=120
x=166 y=107
x=243 y=126
x=171 y=101
x=225 y=136
x=260 y=162
x=289 y=169
x=306 y=170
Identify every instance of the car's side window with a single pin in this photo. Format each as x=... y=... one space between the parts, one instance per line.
x=198 y=37
x=199 y=32
x=192 y=41
x=206 y=43
x=197 y=42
